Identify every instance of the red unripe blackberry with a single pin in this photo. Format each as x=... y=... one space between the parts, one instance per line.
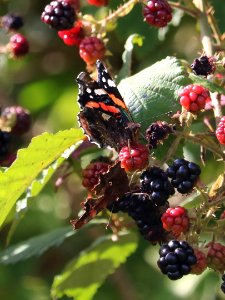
x=194 y=97
x=91 y=174
x=157 y=13
x=98 y=2
x=216 y=256
x=18 y=45
x=17 y=118
x=73 y=36
x=176 y=259
x=134 y=157
x=157 y=132
x=201 y=263
x=203 y=65
x=220 y=131
x=222 y=216
x=175 y=220
x=91 y=49
x=12 y=22
x=59 y=15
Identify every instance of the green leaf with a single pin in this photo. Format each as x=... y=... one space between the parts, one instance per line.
x=127 y=55
x=42 y=151
x=153 y=92
x=206 y=83
x=83 y=275
x=39 y=244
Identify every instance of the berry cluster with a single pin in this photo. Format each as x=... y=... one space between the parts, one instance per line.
x=176 y=259
x=154 y=182
x=194 y=97
x=216 y=256
x=145 y=213
x=18 y=45
x=61 y=15
x=156 y=133
x=15 y=121
x=157 y=13
x=184 y=175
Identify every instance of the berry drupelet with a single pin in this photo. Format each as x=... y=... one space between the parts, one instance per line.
x=184 y=175
x=176 y=259
x=157 y=13
x=203 y=65
x=12 y=22
x=59 y=15
x=154 y=181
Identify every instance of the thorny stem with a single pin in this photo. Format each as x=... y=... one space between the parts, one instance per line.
x=214 y=26
x=191 y=12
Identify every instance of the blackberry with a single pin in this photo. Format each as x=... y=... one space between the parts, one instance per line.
x=223 y=284
x=176 y=259
x=5 y=141
x=154 y=181
x=184 y=175
x=203 y=65
x=18 y=45
x=157 y=132
x=157 y=13
x=220 y=131
x=59 y=15
x=12 y=22
x=145 y=214
x=91 y=49
x=18 y=118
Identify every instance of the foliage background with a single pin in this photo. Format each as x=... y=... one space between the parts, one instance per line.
x=44 y=82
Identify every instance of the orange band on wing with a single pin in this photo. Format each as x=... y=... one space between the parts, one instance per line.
x=92 y=104
x=118 y=101
x=109 y=108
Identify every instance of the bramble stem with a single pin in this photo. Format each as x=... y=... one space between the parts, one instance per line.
x=191 y=12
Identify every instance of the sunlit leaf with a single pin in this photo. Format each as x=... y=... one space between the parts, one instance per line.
x=42 y=151
x=83 y=275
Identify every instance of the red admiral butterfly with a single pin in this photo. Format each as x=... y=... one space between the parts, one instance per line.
x=104 y=114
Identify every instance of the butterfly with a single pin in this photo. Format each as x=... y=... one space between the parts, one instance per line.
x=104 y=114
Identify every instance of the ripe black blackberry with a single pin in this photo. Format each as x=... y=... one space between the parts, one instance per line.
x=59 y=15
x=145 y=213
x=5 y=140
x=184 y=175
x=176 y=259
x=12 y=22
x=154 y=181
x=223 y=284
x=203 y=65
x=157 y=132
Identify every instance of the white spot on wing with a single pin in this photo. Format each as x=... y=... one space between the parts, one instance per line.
x=103 y=79
x=111 y=83
x=88 y=90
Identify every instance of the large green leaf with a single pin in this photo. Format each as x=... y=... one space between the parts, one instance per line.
x=42 y=151
x=83 y=275
x=39 y=244
x=153 y=92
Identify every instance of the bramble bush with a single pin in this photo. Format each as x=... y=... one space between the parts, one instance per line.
x=132 y=177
